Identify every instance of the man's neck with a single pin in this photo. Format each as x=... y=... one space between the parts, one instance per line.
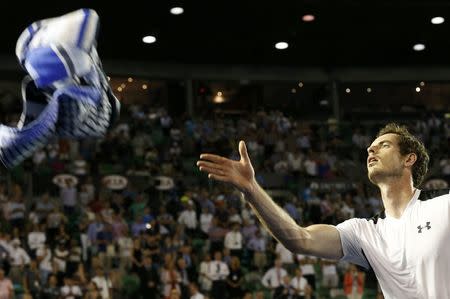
x=396 y=195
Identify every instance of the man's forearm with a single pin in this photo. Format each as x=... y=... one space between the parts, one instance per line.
x=276 y=220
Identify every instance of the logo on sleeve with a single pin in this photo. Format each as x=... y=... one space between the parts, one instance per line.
x=420 y=227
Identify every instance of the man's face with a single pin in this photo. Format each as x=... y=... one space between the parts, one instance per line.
x=384 y=159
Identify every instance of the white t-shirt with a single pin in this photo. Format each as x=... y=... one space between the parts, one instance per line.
x=273 y=277
x=299 y=284
x=285 y=255
x=103 y=284
x=71 y=292
x=36 y=239
x=233 y=240
x=307 y=268
x=410 y=255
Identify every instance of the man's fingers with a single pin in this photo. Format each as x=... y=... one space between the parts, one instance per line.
x=218 y=177
x=243 y=151
x=209 y=165
x=211 y=170
x=214 y=158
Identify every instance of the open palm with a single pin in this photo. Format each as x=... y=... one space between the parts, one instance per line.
x=238 y=173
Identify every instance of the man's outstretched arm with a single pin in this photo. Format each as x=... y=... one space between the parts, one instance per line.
x=319 y=240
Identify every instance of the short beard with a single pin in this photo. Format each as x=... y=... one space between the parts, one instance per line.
x=379 y=176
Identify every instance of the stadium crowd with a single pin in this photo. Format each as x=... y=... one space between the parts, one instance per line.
x=194 y=239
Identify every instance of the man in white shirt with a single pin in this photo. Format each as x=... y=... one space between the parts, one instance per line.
x=70 y=290
x=397 y=163
x=36 y=239
x=273 y=278
x=233 y=240
x=300 y=285
x=195 y=294
x=19 y=259
x=188 y=218
x=286 y=256
x=307 y=266
x=103 y=283
x=218 y=273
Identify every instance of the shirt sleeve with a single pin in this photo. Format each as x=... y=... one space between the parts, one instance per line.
x=350 y=232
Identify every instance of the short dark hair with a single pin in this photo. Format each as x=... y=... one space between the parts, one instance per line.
x=409 y=143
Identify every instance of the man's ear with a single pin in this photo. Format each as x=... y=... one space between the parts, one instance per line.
x=410 y=159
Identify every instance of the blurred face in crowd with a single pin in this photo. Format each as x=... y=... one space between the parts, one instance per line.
x=52 y=281
x=218 y=256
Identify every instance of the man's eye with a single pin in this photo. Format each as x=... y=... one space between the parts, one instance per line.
x=385 y=145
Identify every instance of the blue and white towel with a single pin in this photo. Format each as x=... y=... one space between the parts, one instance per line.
x=66 y=93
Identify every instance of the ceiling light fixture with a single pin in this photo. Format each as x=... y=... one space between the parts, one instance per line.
x=149 y=39
x=281 y=45
x=177 y=10
x=419 y=47
x=417 y=89
x=308 y=18
x=437 y=20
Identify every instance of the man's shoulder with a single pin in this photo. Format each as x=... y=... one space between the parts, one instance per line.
x=427 y=195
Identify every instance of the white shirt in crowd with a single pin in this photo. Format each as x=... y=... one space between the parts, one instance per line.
x=36 y=240
x=188 y=218
x=68 y=196
x=218 y=270
x=46 y=255
x=205 y=222
x=71 y=292
x=125 y=246
x=19 y=256
x=307 y=268
x=299 y=284
x=198 y=296
x=273 y=277
x=286 y=256
x=104 y=284
x=16 y=210
x=203 y=278
x=233 y=240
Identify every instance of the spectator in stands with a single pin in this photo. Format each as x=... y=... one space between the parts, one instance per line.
x=273 y=278
x=70 y=290
x=68 y=196
x=300 y=285
x=170 y=278
x=354 y=283
x=103 y=282
x=19 y=260
x=330 y=277
x=234 y=280
x=44 y=257
x=44 y=206
x=188 y=218
x=204 y=280
x=36 y=239
x=30 y=279
x=307 y=264
x=234 y=241
x=218 y=273
x=195 y=293
x=51 y=289
x=286 y=257
x=284 y=290
x=60 y=257
x=257 y=246
x=149 y=278
x=16 y=209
